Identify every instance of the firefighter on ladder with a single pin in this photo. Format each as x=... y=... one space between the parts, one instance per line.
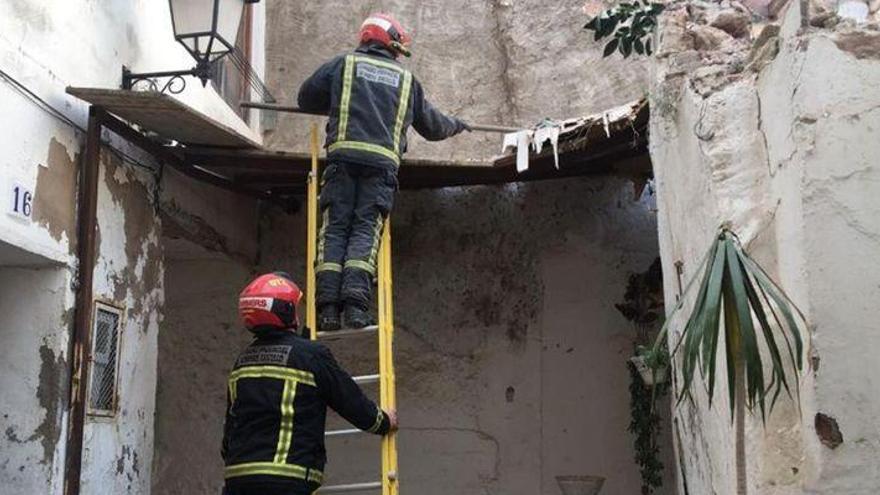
x=278 y=393
x=371 y=101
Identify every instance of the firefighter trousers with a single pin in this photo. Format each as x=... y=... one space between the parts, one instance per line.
x=355 y=200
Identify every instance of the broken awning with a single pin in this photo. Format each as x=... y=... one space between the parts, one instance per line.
x=165 y=116
x=211 y=152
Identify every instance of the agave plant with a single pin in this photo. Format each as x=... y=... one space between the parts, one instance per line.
x=755 y=310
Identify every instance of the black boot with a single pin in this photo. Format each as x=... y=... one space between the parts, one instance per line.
x=328 y=318
x=356 y=317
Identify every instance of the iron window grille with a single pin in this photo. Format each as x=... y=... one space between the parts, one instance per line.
x=104 y=362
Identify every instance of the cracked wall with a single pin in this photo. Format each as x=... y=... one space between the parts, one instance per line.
x=491 y=61
x=771 y=131
x=510 y=355
x=118 y=450
x=504 y=381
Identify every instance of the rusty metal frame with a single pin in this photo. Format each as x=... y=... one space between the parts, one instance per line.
x=87 y=216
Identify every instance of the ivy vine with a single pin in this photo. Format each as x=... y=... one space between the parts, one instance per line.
x=645 y=425
x=631 y=26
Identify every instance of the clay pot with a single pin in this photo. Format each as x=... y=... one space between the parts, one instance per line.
x=580 y=485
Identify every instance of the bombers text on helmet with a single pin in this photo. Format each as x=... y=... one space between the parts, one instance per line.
x=385 y=30
x=270 y=300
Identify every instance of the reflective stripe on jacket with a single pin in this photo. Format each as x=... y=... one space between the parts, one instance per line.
x=371 y=101
x=277 y=399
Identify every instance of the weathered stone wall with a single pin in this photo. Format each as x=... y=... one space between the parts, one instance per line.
x=198 y=343
x=510 y=354
x=492 y=61
x=775 y=138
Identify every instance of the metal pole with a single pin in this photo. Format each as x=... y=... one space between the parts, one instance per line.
x=81 y=348
x=289 y=109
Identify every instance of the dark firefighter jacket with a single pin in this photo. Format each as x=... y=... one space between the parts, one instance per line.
x=371 y=101
x=277 y=399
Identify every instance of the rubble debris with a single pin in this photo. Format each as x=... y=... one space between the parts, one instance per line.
x=733 y=22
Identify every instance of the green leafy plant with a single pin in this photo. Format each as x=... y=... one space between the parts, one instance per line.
x=643 y=306
x=757 y=314
x=645 y=425
x=630 y=25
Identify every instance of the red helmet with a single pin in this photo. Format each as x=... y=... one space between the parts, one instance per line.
x=270 y=300
x=385 y=30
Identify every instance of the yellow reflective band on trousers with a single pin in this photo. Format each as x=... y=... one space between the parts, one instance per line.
x=277 y=372
x=274 y=469
x=329 y=267
x=285 y=432
x=377 y=234
x=342 y=143
x=361 y=265
x=345 y=101
x=325 y=219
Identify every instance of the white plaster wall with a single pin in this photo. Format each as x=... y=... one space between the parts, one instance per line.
x=33 y=377
x=51 y=44
x=118 y=451
x=47 y=45
x=786 y=155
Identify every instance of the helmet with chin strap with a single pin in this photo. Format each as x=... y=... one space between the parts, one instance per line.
x=270 y=300
x=385 y=30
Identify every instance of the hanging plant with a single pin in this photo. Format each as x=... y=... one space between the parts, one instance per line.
x=630 y=25
x=756 y=313
x=645 y=425
x=643 y=306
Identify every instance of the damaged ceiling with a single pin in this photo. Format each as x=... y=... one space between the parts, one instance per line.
x=614 y=140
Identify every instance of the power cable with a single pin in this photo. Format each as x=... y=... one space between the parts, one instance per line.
x=34 y=98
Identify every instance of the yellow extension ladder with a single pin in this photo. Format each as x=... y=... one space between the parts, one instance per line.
x=385 y=331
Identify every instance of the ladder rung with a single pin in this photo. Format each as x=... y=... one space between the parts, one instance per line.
x=366 y=379
x=353 y=487
x=339 y=433
x=338 y=334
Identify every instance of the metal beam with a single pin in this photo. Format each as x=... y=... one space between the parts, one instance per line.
x=87 y=220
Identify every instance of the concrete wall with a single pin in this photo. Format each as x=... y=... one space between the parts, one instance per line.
x=510 y=356
x=198 y=343
x=777 y=140
x=491 y=61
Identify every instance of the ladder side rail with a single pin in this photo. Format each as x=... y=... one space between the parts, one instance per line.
x=386 y=362
x=312 y=236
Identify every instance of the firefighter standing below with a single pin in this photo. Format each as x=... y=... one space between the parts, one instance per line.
x=278 y=393
x=371 y=101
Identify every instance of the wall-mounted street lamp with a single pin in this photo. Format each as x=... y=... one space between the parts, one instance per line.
x=207 y=29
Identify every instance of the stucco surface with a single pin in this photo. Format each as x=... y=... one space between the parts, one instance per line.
x=491 y=61
x=199 y=340
x=33 y=356
x=118 y=451
x=510 y=355
x=775 y=143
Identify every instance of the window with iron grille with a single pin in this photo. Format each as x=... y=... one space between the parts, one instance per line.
x=105 y=347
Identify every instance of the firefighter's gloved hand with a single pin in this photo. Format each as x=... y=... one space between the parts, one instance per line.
x=392 y=419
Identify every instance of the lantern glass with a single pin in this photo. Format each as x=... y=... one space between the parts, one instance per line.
x=206 y=28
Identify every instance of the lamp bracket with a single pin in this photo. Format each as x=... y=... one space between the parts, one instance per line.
x=175 y=83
